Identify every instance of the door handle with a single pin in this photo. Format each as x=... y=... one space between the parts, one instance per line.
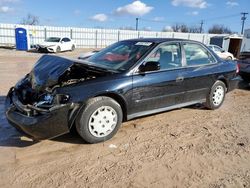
x=179 y=79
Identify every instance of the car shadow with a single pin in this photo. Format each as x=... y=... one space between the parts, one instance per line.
x=36 y=51
x=72 y=138
x=244 y=85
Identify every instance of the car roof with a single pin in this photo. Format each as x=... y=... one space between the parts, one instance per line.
x=160 y=40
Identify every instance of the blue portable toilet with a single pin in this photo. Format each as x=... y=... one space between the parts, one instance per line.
x=22 y=40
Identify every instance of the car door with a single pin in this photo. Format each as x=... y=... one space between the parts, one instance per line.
x=199 y=74
x=65 y=44
x=155 y=90
x=68 y=44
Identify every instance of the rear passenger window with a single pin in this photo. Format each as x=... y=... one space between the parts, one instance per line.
x=65 y=39
x=168 y=55
x=197 y=55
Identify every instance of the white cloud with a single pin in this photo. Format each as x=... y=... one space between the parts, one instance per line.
x=4 y=6
x=157 y=19
x=99 y=17
x=232 y=3
x=5 y=9
x=191 y=3
x=137 y=8
x=193 y=13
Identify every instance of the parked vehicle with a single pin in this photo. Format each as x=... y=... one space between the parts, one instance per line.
x=56 y=45
x=222 y=53
x=87 y=54
x=128 y=79
x=244 y=66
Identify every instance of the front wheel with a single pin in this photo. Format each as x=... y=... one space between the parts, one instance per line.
x=58 y=49
x=99 y=120
x=73 y=48
x=216 y=95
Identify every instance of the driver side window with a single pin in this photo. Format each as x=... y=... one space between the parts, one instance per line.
x=168 y=55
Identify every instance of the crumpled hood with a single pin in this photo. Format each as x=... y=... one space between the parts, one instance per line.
x=48 y=70
x=47 y=44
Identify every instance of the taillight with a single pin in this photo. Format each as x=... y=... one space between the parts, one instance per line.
x=237 y=68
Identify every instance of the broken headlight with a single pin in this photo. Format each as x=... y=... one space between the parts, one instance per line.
x=45 y=101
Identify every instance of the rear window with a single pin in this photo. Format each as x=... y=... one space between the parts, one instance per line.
x=197 y=55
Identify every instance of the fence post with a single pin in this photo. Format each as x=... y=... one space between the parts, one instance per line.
x=71 y=33
x=138 y=34
x=173 y=35
x=118 y=35
x=45 y=33
x=96 y=33
x=203 y=39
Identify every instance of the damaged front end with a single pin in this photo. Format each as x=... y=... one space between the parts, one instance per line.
x=34 y=106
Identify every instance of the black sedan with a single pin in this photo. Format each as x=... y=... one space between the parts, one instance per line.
x=128 y=79
x=244 y=66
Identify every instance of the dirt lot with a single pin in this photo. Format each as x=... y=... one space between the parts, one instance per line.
x=188 y=147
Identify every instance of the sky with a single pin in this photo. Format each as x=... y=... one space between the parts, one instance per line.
x=153 y=14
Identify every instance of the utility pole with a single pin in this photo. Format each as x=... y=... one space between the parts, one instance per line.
x=243 y=18
x=136 y=25
x=201 y=27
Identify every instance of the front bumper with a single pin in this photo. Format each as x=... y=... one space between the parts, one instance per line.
x=44 y=125
x=47 y=49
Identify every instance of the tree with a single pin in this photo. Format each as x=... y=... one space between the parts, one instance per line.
x=167 y=29
x=183 y=28
x=194 y=29
x=219 y=29
x=30 y=20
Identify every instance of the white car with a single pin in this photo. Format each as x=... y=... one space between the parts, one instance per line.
x=56 y=45
x=221 y=53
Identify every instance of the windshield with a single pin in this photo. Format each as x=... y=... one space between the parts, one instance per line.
x=53 y=39
x=121 y=55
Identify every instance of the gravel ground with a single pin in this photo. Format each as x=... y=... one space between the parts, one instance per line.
x=188 y=147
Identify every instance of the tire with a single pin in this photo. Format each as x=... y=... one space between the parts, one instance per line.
x=58 y=49
x=73 y=48
x=216 y=95
x=229 y=58
x=99 y=120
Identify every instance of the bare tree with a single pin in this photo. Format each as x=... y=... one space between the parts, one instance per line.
x=183 y=28
x=219 y=29
x=194 y=29
x=30 y=20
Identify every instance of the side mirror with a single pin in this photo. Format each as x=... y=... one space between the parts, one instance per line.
x=149 y=66
x=222 y=51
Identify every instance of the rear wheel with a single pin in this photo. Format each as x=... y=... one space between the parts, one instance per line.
x=99 y=120
x=229 y=58
x=216 y=96
x=73 y=48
